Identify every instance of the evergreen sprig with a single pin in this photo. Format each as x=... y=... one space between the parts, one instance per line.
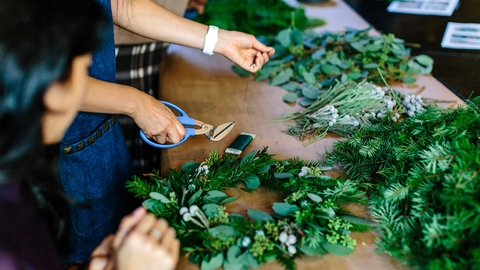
x=311 y=220
x=426 y=189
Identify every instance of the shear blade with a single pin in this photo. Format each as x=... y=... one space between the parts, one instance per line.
x=221 y=131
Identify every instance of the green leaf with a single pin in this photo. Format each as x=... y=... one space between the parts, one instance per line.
x=159 y=197
x=248 y=157
x=314 y=197
x=233 y=254
x=284 y=209
x=250 y=261
x=210 y=209
x=306 y=102
x=353 y=76
x=260 y=216
x=195 y=197
x=310 y=93
x=150 y=204
x=309 y=77
x=264 y=169
x=290 y=97
x=252 y=181
x=228 y=200
x=282 y=77
x=189 y=167
x=330 y=70
x=230 y=266
x=336 y=249
x=291 y=86
x=282 y=175
x=424 y=60
x=296 y=36
x=213 y=264
x=371 y=65
x=318 y=54
x=214 y=196
x=409 y=79
x=359 y=46
x=284 y=37
x=343 y=78
x=311 y=251
x=240 y=71
x=373 y=47
x=223 y=232
x=356 y=220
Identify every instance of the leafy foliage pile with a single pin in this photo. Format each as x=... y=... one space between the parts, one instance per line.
x=310 y=220
x=304 y=63
x=256 y=17
x=426 y=193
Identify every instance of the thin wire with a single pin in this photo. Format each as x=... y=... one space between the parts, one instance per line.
x=246 y=104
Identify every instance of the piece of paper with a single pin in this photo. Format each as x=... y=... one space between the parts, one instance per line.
x=462 y=36
x=424 y=7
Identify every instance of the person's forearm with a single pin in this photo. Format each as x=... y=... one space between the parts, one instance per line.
x=146 y=18
x=105 y=97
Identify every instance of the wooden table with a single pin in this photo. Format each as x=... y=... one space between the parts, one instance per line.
x=208 y=90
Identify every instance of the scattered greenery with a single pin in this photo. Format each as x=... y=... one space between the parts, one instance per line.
x=426 y=193
x=310 y=220
x=305 y=63
x=346 y=107
x=257 y=17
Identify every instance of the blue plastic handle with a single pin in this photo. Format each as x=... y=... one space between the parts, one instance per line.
x=183 y=118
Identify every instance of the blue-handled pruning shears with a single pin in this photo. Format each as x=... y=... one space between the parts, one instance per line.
x=212 y=133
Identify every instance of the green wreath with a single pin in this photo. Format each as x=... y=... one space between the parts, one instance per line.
x=311 y=220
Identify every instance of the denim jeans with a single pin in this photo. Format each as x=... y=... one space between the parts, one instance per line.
x=93 y=171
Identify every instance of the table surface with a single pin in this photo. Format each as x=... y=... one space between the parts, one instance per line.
x=208 y=90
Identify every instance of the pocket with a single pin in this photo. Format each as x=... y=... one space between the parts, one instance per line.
x=95 y=178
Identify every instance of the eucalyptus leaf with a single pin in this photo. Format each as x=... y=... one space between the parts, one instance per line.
x=214 y=263
x=195 y=197
x=228 y=200
x=248 y=157
x=284 y=37
x=210 y=209
x=159 y=197
x=330 y=69
x=264 y=169
x=260 y=216
x=359 y=46
x=356 y=220
x=284 y=209
x=314 y=197
x=189 y=167
x=214 y=196
x=306 y=102
x=252 y=181
x=233 y=254
x=250 y=261
x=318 y=54
x=290 y=86
x=309 y=77
x=313 y=251
x=282 y=77
x=424 y=60
x=373 y=47
x=371 y=65
x=408 y=79
x=151 y=204
x=232 y=266
x=290 y=97
x=344 y=78
x=336 y=249
x=223 y=230
x=296 y=36
x=310 y=93
x=283 y=175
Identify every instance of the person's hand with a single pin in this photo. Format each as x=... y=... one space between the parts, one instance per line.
x=199 y=5
x=143 y=242
x=243 y=49
x=102 y=255
x=158 y=121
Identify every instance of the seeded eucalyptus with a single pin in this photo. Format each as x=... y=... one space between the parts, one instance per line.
x=305 y=63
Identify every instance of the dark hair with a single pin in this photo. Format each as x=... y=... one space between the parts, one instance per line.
x=38 y=41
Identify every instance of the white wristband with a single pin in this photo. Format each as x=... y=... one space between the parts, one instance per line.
x=211 y=39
